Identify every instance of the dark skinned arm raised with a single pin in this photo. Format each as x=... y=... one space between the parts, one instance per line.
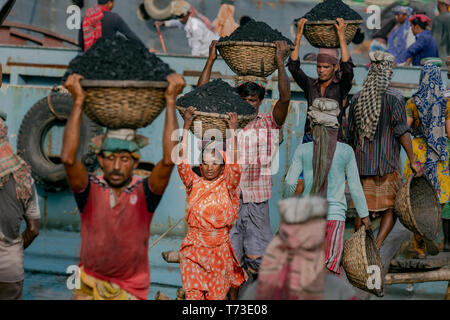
x=159 y=179
x=280 y=110
x=206 y=73
x=75 y=169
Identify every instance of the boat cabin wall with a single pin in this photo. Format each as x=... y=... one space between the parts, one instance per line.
x=30 y=73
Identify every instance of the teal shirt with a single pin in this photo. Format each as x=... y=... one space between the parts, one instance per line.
x=343 y=167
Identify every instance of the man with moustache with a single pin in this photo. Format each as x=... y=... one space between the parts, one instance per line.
x=116 y=208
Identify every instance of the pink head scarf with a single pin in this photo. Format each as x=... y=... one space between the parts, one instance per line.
x=424 y=18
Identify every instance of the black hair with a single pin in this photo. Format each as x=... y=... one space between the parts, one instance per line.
x=79 y=3
x=251 y=89
x=244 y=19
x=103 y=2
x=359 y=36
x=418 y=22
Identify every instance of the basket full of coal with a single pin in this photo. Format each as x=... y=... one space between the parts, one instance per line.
x=124 y=84
x=320 y=30
x=212 y=101
x=250 y=50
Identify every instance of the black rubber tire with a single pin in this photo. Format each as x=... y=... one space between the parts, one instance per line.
x=154 y=11
x=33 y=129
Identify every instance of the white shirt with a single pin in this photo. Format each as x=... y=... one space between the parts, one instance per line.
x=197 y=33
x=410 y=39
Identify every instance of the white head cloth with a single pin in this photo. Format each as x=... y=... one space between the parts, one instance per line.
x=324 y=112
x=299 y=210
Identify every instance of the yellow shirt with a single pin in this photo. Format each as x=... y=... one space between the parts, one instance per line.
x=412 y=112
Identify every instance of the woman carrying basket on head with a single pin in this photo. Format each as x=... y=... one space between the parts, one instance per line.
x=428 y=115
x=209 y=267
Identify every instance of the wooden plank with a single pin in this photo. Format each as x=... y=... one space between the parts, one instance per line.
x=402 y=85
x=40 y=30
x=23 y=35
x=35 y=65
x=442 y=274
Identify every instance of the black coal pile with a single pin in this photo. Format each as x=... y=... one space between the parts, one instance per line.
x=256 y=31
x=331 y=10
x=216 y=97
x=118 y=59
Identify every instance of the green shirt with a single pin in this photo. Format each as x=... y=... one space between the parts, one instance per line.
x=343 y=167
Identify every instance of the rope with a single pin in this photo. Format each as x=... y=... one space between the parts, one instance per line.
x=50 y=104
x=165 y=233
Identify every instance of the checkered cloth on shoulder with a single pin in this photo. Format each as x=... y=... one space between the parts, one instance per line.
x=368 y=107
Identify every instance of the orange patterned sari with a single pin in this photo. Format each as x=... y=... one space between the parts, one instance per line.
x=209 y=266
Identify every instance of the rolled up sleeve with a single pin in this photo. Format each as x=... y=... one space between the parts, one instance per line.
x=299 y=76
x=415 y=48
x=173 y=23
x=294 y=172
x=33 y=211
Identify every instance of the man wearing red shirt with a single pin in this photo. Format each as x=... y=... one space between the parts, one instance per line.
x=116 y=208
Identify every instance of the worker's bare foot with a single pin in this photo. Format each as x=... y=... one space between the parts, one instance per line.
x=180 y=294
x=171 y=256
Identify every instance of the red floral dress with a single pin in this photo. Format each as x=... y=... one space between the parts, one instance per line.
x=209 y=266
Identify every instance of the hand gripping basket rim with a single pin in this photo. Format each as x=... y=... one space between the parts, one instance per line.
x=213 y=117
x=353 y=267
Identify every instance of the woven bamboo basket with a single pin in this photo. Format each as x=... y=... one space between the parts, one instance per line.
x=239 y=79
x=123 y=104
x=418 y=208
x=360 y=252
x=213 y=121
x=322 y=34
x=250 y=58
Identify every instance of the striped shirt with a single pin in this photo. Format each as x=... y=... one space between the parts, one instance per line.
x=382 y=155
x=258 y=143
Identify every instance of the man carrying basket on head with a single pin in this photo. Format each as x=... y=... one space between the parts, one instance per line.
x=335 y=77
x=116 y=208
